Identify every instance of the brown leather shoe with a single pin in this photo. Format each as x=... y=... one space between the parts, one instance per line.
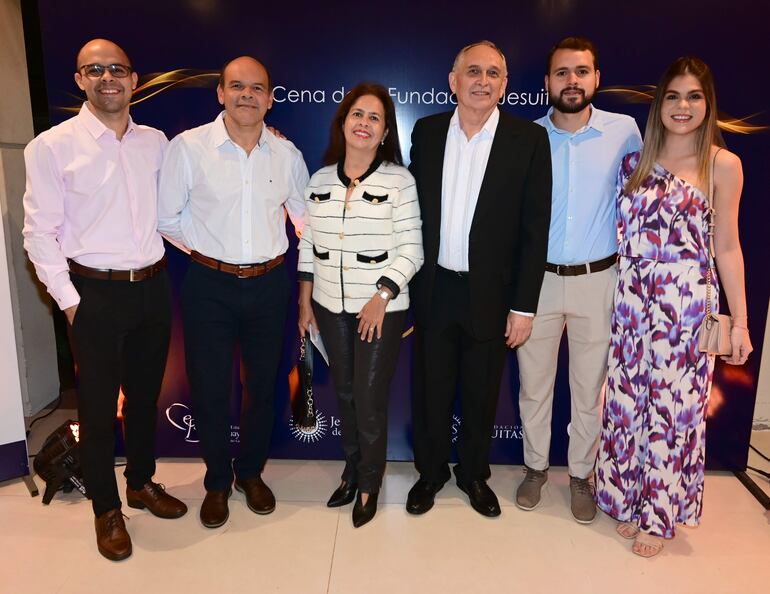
x=214 y=510
x=153 y=496
x=112 y=539
x=259 y=497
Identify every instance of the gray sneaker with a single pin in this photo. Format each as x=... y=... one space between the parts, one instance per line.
x=528 y=493
x=583 y=500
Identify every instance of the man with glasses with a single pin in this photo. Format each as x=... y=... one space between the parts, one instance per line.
x=90 y=229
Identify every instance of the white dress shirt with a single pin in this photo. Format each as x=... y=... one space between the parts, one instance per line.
x=92 y=198
x=219 y=201
x=465 y=162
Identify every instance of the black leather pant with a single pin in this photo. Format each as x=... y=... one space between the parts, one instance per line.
x=362 y=372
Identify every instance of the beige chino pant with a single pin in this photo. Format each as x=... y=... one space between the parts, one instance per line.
x=583 y=304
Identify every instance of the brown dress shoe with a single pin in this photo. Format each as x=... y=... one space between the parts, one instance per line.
x=214 y=510
x=153 y=496
x=259 y=497
x=111 y=536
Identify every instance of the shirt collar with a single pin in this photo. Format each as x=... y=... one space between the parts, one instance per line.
x=595 y=121
x=95 y=126
x=488 y=129
x=221 y=136
x=346 y=180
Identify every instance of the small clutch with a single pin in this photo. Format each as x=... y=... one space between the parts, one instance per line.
x=715 y=335
x=302 y=404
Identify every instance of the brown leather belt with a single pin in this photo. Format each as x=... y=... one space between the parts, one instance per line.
x=239 y=270
x=578 y=269
x=133 y=276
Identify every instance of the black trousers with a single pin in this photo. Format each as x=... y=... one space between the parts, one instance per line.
x=447 y=352
x=221 y=311
x=362 y=372
x=120 y=337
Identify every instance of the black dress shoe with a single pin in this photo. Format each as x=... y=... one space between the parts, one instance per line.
x=421 y=496
x=343 y=494
x=482 y=498
x=363 y=513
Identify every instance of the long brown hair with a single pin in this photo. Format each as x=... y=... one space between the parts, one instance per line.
x=389 y=150
x=655 y=134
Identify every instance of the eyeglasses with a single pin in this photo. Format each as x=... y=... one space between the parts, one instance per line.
x=97 y=70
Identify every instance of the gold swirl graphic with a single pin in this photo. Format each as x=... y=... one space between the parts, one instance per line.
x=160 y=82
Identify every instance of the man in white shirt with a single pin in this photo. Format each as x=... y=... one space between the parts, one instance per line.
x=484 y=186
x=224 y=191
x=90 y=229
x=587 y=145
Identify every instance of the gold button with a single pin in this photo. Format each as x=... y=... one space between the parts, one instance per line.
x=356 y=182
x=346 y=268
x=348 y=207
x=372 y=261
x=342 y=235
x=317 y=199
x=375 y=201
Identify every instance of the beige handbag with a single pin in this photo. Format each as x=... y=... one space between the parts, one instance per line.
x=714 y=336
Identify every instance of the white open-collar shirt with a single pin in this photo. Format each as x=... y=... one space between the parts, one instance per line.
x=217 y=200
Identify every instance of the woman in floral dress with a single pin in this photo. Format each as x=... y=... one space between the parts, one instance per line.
x=651 y=457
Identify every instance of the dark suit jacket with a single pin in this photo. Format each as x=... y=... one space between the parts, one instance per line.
x=509 y=234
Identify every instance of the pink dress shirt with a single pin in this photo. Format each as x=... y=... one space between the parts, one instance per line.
x=92 y=198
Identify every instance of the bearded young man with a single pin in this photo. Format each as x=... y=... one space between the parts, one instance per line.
x=587 y=145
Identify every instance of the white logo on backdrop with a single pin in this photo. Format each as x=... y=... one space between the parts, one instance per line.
x=498 y=431
x=179 y=416
x=313 y=435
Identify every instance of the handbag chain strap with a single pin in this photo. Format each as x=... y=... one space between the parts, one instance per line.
x=710 y=234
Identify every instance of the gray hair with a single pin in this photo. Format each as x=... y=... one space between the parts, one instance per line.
x=485 y=43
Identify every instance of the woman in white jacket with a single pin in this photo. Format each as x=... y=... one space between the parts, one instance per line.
x=361 y=245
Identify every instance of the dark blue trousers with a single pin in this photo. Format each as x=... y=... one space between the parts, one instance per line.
x=221 y=311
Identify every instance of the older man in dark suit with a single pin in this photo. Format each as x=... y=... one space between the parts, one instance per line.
x=484 y=185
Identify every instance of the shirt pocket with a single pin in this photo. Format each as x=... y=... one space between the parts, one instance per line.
x=314 y=197
x=319 y=254
x=372 y=258
x=375 y=198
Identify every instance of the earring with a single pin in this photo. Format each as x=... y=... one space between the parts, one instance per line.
x=382 y=142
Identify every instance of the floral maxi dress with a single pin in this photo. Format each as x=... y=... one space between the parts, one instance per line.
x=650 y=464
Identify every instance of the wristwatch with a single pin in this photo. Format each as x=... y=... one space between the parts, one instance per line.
x=384 y=294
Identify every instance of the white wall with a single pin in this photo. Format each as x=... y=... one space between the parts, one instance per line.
x=32 y=324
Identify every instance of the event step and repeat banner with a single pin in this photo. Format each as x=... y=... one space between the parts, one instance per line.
x=316 y=55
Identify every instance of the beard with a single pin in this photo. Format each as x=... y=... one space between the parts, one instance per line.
x=563 y=105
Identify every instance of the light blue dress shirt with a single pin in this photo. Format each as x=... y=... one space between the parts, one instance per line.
x=585 y=171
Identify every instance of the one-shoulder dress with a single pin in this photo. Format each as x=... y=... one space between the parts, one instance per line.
x=650 y=463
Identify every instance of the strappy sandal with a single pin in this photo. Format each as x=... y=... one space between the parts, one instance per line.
x=647 y=545
x=627 y=530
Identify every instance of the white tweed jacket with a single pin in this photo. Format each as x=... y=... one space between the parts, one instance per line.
x=374 y=240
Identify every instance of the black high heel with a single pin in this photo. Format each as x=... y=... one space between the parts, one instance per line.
x=364 y=513
x=343 y=494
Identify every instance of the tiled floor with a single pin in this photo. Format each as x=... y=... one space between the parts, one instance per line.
x=307 y=548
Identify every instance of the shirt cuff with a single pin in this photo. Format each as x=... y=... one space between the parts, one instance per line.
x=384 y=281
x=304 y=276
x=526 y=314
x=66 y=296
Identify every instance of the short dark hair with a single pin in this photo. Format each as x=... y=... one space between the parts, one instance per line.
x=389 y=150
x=579 y=44
x=221 y=80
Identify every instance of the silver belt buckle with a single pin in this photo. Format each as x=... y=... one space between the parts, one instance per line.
x=131 y=278
x=558 y=269
x=241 y=270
